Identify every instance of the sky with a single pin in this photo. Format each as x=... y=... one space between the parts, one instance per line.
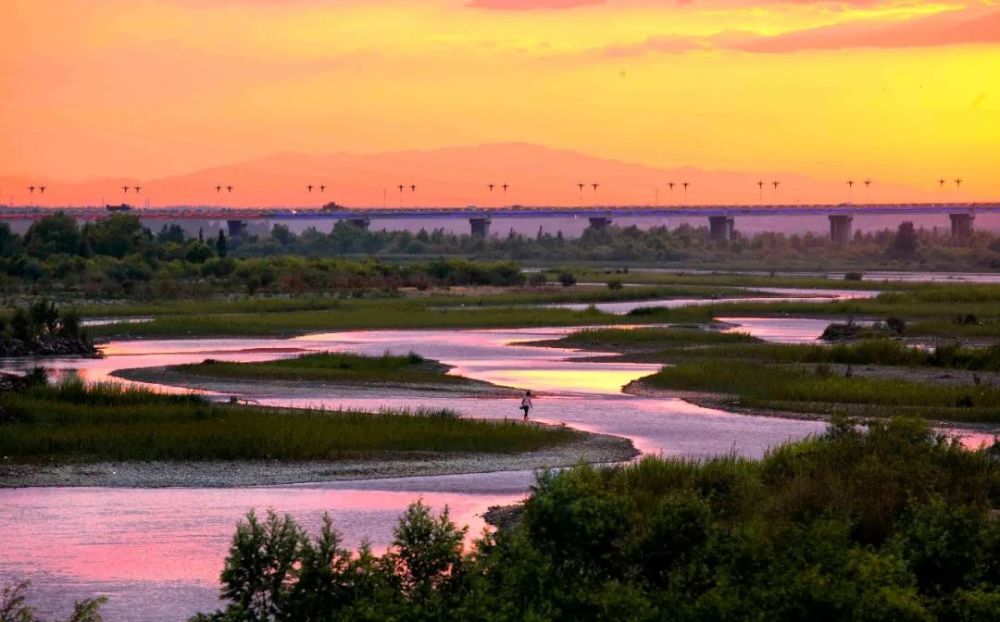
x=898 y=91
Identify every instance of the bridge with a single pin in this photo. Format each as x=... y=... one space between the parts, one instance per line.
x=721 y=218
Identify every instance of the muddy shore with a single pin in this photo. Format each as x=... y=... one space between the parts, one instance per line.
x=585 y=448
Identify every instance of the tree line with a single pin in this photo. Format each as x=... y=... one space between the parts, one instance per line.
x=117 y=256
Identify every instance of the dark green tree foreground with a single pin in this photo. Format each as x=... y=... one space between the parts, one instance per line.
x=889 y=523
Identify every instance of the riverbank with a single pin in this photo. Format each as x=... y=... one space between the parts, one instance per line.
x=316 y=374
x=305 y=389
x=583 y=448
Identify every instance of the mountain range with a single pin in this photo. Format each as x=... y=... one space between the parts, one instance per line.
x=456 y=176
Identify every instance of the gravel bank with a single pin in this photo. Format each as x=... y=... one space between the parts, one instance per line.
x=587 y=447
x=302 y=388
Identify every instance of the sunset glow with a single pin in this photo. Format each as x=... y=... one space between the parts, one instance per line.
x=900 y=91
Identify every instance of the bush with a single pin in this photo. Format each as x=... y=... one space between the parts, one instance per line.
x=889 y=524
x=567 y=279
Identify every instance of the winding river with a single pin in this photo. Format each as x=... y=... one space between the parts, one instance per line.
x=157 y=553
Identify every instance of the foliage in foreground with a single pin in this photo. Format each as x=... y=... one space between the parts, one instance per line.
x=888 y=525
x=90 y=423
x=13 y=607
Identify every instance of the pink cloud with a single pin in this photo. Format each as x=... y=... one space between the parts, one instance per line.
x=959 y=28
x=965 y=27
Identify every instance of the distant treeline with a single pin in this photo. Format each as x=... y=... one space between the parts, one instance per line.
x=118 y=256
x=905 y=246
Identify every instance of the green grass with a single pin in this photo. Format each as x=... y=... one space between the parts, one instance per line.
x=388 y=314
x=931 y=309
x=472 y=297
x=800 y=389
x=332 y=367
x=653 y=336
x=735 y=279
x=73 y=423
x=930 y=302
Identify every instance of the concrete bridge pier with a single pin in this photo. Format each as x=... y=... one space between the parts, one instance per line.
x=840 y=228
x=720 y=228
x=360 y=223
x=962 y=225
x=480 y=226
x=600 y=222
x=235 y=228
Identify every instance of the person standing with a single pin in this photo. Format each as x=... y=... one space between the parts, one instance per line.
x=526 y=404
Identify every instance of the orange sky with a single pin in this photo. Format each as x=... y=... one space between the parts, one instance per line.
x=900 y=91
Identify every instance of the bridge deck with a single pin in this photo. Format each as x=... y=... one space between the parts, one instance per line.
x=221 y=213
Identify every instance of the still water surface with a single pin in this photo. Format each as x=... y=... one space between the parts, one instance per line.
x=157 y=553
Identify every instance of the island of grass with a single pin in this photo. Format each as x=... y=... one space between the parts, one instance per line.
x=110 y=435
x=317 y=371
x=873 y=377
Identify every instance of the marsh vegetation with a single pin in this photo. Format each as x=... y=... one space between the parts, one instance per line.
x=74 y=422
x=892 y=523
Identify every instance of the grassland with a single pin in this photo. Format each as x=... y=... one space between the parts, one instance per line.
x=655 y=337
x=332 y=367
x=953 y=311
x=475 y=296
x=70 y=422
x=638 y=276
x=798 y=389
x=872 y=377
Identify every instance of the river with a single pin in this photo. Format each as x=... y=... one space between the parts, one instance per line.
x=157 y=553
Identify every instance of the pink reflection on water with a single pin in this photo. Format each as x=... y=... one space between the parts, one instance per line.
x=778 y=329
x=160 y=551
x=158 y=535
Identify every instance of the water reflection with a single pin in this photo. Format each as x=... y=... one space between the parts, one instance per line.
x=157 y=553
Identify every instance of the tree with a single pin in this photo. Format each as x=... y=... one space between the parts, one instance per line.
x=14 y=609
x=53 y=234
x=220 y=244
x=171 y=233
x=9 y=241
x=904 y=243
x=567 y=279
x=20 y=326
x=117 y=236
x=282 y=234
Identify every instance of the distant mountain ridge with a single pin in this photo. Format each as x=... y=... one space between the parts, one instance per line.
x=454 y=176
